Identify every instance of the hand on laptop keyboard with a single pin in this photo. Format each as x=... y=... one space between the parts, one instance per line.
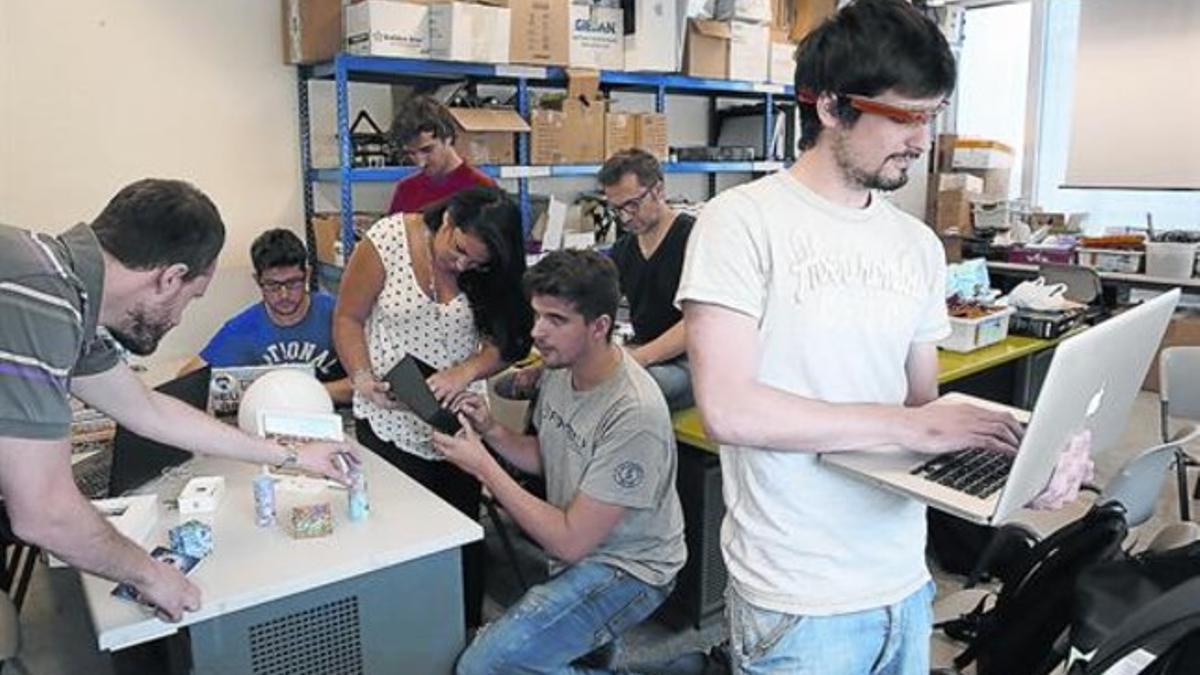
x=940 y=426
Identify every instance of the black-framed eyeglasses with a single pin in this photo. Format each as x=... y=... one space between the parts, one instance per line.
x=630 y=206
x=289 y=285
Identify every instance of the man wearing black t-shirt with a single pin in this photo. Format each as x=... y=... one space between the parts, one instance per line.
x=649 y=259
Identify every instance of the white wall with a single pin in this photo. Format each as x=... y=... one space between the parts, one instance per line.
x=97 y=94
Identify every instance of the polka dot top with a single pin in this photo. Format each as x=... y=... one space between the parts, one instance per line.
x=404 y=319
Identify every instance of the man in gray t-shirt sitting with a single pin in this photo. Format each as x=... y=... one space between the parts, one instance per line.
x=611 y=520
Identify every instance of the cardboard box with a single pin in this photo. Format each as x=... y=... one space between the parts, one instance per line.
x=583 y=130
x=749 y=51
x=995 y=181
x=782 y=69
x=327 y=231
x=960 y=181
x=1184 y=330
x=981 y=154
x=653 y=44
x=487 y=135
x=462 y=31
x=808 y=14
x=620 y=133
x=546 y=137
x=953 y=213
x=756 y=11
x=706 y=49
x=312 y=30
x=650 y=134
x=783 y=14
x=540 y=31
x=387 y=28
x=597 y=37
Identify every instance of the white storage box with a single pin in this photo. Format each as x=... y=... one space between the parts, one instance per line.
x=979 y=153
x=459 y=31
x=783 y=63
x=749 y=51
x=201 y=495
x=1111 y=260
x=967 y=335
x=1170 y=260
x=387 y=28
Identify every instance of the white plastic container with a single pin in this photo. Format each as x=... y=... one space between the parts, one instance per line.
x=1111 y=260
x=1170 y=260
x=967 y=335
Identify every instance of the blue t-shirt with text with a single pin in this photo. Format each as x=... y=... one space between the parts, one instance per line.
x=251 y=339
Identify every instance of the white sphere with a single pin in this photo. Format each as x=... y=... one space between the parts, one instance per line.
x=285 y=390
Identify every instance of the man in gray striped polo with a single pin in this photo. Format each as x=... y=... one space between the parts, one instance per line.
x=150 y=252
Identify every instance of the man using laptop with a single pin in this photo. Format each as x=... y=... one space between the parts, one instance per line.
x=290 y=325
x=132 y=271
x=813 y=308
x=611 y=520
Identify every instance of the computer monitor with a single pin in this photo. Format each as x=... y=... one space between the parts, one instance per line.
x=138 y=460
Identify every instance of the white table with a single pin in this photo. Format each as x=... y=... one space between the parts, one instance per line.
x=382 y=595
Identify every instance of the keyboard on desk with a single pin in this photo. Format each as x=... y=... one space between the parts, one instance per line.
x=91 y=472
x=975 y=471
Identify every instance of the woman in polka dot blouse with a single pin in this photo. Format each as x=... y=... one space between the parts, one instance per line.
x=444 y=286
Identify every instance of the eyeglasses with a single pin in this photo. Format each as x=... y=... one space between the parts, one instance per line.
x=630 y=207
x=289 y=285
x=897 y=113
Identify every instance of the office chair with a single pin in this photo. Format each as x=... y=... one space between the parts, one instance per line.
x=1179 y=396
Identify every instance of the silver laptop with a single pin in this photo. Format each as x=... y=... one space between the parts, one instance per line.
x=228 y=383
x=1092 y=382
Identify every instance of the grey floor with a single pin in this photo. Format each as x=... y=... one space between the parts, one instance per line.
x=57 y=637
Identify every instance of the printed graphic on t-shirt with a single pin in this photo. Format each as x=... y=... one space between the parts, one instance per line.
x=299 y=351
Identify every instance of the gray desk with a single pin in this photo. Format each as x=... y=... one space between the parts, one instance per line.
x=380 y=596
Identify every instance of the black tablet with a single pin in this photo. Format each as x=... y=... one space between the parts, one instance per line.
x=407 y=382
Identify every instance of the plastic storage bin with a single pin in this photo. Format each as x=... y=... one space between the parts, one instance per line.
x=1111 y=260
x=967 y=335
x=1170 y=260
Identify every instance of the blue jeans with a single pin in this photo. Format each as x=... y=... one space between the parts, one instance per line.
x=674 y=378
x=892 y=640
x=581 y=610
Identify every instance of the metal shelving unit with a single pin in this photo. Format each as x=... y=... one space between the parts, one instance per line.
x=346 y=68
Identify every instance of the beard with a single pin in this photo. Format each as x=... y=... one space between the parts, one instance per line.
x=871 y=180
x=140 y=333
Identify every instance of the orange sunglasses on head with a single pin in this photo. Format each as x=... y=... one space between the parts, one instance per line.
x=896 y=113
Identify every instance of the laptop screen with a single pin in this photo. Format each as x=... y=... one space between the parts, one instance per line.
x=138 y=460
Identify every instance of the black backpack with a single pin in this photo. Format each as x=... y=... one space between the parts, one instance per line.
x=1021 y=633
x=1160 y=638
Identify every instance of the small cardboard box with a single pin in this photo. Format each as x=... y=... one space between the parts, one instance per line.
x=540 y=31
x=387 y=28
x=1184 y=330
x=546 y=137
x=597 y=37
x=953 y=214
x=312 y=30
x=783 y=63
x=808 y=14
x=327 y=231
x=651 y=134
x=620 y=132
x=652 y=44
x=960 y=181
x=583 y=130
x=487 y=135
x=749 y=51
x=981 y=154
x=995 y=181
x=462 y=31
x=706 y=49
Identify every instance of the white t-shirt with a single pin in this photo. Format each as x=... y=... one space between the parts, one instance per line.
x=405 y=319
x=840 y=295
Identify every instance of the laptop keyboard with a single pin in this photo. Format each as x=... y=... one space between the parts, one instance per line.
x=92 y=473
x=975 y=471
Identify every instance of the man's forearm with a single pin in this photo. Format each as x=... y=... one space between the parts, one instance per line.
x=545 y=523
x=521 y=450
x=485 y=363
x=665 y=347
x=180 y=425
x=74 y=531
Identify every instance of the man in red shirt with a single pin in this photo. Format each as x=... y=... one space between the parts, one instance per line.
x=424 y=132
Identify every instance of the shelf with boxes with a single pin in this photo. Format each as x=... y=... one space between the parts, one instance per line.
x=530 y=159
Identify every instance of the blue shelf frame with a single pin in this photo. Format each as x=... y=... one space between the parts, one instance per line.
x=346 y=68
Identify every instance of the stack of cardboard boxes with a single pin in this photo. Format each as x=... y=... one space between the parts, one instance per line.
x=579 y=129
x=969 y=171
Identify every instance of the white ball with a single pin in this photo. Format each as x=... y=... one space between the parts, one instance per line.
x=285 y=390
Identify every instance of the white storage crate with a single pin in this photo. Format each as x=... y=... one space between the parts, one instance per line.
x=967 y=335
x=1111 y=260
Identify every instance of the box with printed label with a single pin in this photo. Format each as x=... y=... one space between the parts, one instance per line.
x=387 y=28
x=546 y=137
x=653 y=44
x=749 y=51
x=597 y=37
x=651 y=134
x=540 y=31
x=620 y=132
x=462 y=31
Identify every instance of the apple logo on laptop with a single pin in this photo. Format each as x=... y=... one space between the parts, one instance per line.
x=1094 y=404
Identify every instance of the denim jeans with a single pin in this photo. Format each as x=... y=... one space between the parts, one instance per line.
x=892 y=640
x=557 y=623
x=674 y=378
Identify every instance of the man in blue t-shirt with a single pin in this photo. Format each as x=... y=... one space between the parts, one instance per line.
x=290 y=325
